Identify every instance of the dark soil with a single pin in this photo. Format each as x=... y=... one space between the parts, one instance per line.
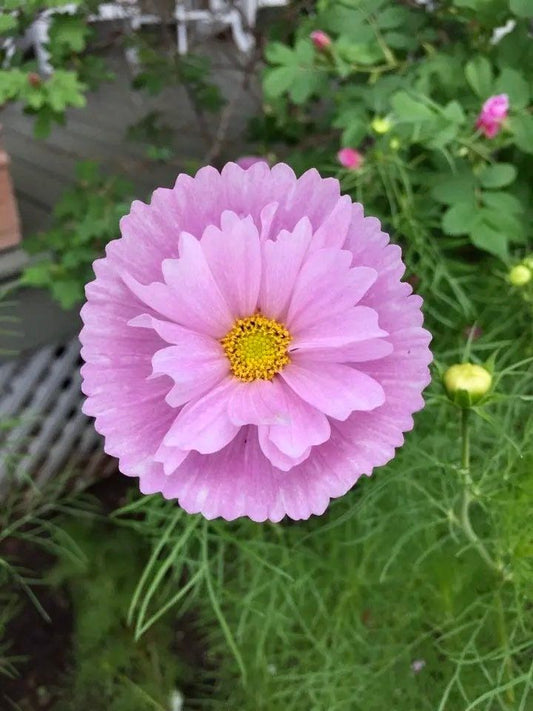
x=42 y=643
x=42 y=649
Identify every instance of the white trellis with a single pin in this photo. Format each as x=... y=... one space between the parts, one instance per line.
x=45 y=432
x=239 y=15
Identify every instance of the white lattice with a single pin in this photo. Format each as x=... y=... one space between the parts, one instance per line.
x=44 y=431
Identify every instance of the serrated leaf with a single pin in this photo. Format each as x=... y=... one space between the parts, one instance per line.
x=69 y=32
x=478 y=72
x=498 y=175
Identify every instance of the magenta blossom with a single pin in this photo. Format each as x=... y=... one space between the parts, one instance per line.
x=320 y=39
x=249 y=347
x=349 y=158
x=493 y=113
x=247 y=161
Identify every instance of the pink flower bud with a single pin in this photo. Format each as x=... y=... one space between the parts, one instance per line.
x=493 y=114
x=320 y=39
x=350 y=158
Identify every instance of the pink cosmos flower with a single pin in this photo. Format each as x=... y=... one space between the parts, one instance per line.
x=493 y=114
x=349 y=158
x=247 y=161
x=249 y=347
x=320 y=39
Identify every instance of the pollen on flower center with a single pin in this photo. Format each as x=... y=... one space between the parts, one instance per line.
x=256 y=348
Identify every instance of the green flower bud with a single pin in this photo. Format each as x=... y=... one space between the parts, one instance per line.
x=528 y=262
x=381 y=125
x=394 y=144
x=520 y=275
x=466 y=384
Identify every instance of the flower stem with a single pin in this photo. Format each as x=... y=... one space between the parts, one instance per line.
x=467 y=495
x=465 y=443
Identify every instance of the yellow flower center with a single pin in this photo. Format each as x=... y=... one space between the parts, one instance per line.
x=256 y=348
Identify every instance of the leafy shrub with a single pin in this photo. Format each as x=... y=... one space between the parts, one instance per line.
x=406 y=84
x=84 y=221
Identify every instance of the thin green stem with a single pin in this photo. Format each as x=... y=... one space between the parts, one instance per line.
x=464 y=519
x=465 y=442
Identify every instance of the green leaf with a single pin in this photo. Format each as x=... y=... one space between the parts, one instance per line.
x=522 y=128
x=365 y=53
x=503 y=202
x=87 y=171
x=478 y=74
x=37 y=274
x=511 y=82
x=392 y=17
x=278 y=81
x=498 y=175
x=7 y=23
x=68 y=292
x=485 y=237
x=522 y=8
x=43 y=123
x=278 y=53
x=409 y=109
x=505 y=222
x=459 y=218
x=354 y=133
x=68 y=32
x=64 y=89
x=458 y=187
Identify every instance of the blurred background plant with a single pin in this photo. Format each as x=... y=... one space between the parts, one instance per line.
x=402 y=595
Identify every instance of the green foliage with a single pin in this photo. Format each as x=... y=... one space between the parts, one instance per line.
x=84 y=221
x=78 y=68
x=428 y=73
x=110 y=670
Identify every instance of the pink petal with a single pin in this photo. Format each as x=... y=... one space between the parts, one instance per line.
x=170 y=458
x=257 y=403
x=277 y=458
x=326 y=285
x=333 y=230
x=234 y=258
x=193 y=371
x=204 y=424
x=282 y=261
x=357 y=324
x=306 y=427
x=168 y=331
x=336 y=390
x=373 y=349
x=202 y=306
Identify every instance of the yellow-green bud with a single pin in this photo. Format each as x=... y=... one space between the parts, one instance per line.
x=381 y=125
x=466 y=383
x=520 y=275
x=394 y=144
